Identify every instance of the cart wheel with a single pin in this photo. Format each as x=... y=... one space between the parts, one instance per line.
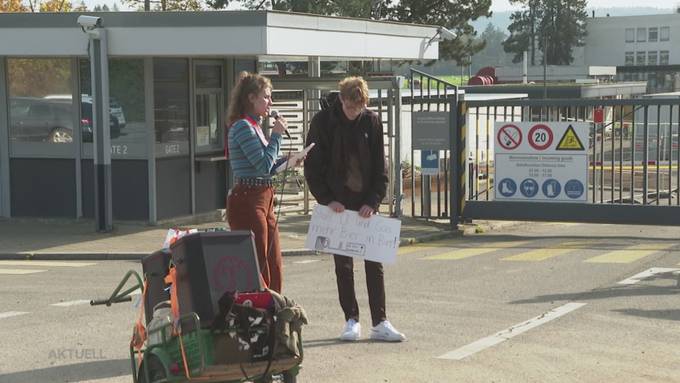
x=156 y=370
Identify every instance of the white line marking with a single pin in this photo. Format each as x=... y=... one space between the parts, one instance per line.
x=70 y=303
x=646 y=274
x=306 y=261
x=45 y=263
x=20 y=271
x=510 y=332
x=10 y=314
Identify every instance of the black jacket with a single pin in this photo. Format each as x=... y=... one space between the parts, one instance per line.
x=335 y=137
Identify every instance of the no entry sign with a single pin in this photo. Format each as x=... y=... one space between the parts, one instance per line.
x=509 y=136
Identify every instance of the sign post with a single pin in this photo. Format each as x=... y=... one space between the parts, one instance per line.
x=541 y=161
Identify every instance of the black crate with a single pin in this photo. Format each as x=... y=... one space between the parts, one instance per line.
x=209 y=264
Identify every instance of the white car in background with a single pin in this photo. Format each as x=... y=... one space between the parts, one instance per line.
x=114 y=107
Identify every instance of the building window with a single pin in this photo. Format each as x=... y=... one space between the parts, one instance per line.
x=653 y=34
x=630 y=35
x=664 y=58
x=665 y=34
x=127 y=122
x=641 y=34
x=34 y=114
x=171 y=109
x=208 y=79
x=630 y=58
x=652 y=57
x=640 y=58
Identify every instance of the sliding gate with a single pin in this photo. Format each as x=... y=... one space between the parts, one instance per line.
x=633 y=160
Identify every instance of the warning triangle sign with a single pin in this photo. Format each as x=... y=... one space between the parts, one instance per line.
x=570 y=141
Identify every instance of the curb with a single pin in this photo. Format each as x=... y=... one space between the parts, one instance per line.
x=89 y=256
x=136 y=256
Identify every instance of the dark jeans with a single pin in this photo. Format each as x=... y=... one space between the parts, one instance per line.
x=344 y=272
x=375 y=283
x=252 y=208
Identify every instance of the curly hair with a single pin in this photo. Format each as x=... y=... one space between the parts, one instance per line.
x=247 y=84
x=354 y=89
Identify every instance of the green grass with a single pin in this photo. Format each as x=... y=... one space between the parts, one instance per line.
x=455 y=80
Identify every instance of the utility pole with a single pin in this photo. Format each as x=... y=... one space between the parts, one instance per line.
x=545 y=65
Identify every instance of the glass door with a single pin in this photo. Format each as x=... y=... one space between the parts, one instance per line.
x=208 y=104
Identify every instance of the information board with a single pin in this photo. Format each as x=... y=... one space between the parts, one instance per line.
x=375 y=238
x=541 y=161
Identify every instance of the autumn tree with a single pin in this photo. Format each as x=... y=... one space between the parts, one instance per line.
x=12 y=6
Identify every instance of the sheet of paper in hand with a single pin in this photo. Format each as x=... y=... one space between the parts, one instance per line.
x=375 y=238
x=290 y=164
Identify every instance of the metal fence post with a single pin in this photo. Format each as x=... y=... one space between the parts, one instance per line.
x=457 y=110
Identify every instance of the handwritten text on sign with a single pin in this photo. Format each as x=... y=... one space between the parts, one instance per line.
x=375 y=238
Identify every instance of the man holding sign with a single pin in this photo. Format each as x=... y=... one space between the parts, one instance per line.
x=346 y=170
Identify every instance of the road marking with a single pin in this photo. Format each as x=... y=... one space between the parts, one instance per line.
x=71 y=303
x=474 y=251
x=306 y=261
x=548 y=252
x=631 y=254
x=510 y=332
x=46 y=263
x=10 y=314
x=422 y=247
x=20 y=271
x=646 y=274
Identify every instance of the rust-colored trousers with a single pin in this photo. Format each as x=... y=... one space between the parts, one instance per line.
x=252 y=208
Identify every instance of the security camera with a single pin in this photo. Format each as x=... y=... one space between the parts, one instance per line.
x=442 y=34
x=89 y=22
x=445 y=34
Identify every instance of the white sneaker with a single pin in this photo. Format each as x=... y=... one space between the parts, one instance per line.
x=352 y=331
x=386 y=332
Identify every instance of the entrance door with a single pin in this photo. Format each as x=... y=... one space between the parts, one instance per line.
x=208 y=145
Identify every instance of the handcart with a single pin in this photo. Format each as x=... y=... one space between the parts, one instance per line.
x=176 y=346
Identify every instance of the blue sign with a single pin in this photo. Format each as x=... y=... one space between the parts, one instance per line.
x=551 y=188
x=507 y=187
x=429 y=162
x=574 y=189
x=529 y=187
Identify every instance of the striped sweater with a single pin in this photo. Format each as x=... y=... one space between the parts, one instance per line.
x=248 y=156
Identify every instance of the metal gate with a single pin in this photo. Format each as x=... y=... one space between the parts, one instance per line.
x=298 y=100
x=633 y=160
x=430 y=192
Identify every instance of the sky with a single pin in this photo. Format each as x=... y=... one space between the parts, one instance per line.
x=496 y=5
x=504 y=5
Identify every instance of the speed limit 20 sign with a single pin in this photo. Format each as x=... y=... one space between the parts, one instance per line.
x=540 y=137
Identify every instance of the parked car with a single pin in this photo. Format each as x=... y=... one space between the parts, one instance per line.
x=44 y=120
x=114 y=107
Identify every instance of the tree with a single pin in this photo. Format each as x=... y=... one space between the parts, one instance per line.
x=559 y=23
x=493 y=53
x=11 y=6
x=453 y=15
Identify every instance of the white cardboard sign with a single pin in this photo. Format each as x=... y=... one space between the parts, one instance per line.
x=541 y=161
x=375 y=238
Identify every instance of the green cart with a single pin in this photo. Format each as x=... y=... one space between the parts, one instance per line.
x=169 y=354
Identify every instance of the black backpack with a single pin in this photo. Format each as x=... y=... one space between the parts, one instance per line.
x=327 y=101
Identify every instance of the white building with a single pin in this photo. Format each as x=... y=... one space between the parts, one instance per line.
x=643 y=48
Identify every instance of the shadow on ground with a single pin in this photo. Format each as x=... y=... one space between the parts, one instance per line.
x=78 y=372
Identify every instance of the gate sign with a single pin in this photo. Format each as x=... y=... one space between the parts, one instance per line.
x=541 y=161
x=429 y=162
x=431 y=131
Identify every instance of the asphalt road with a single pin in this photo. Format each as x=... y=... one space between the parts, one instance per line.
x=529 y=303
